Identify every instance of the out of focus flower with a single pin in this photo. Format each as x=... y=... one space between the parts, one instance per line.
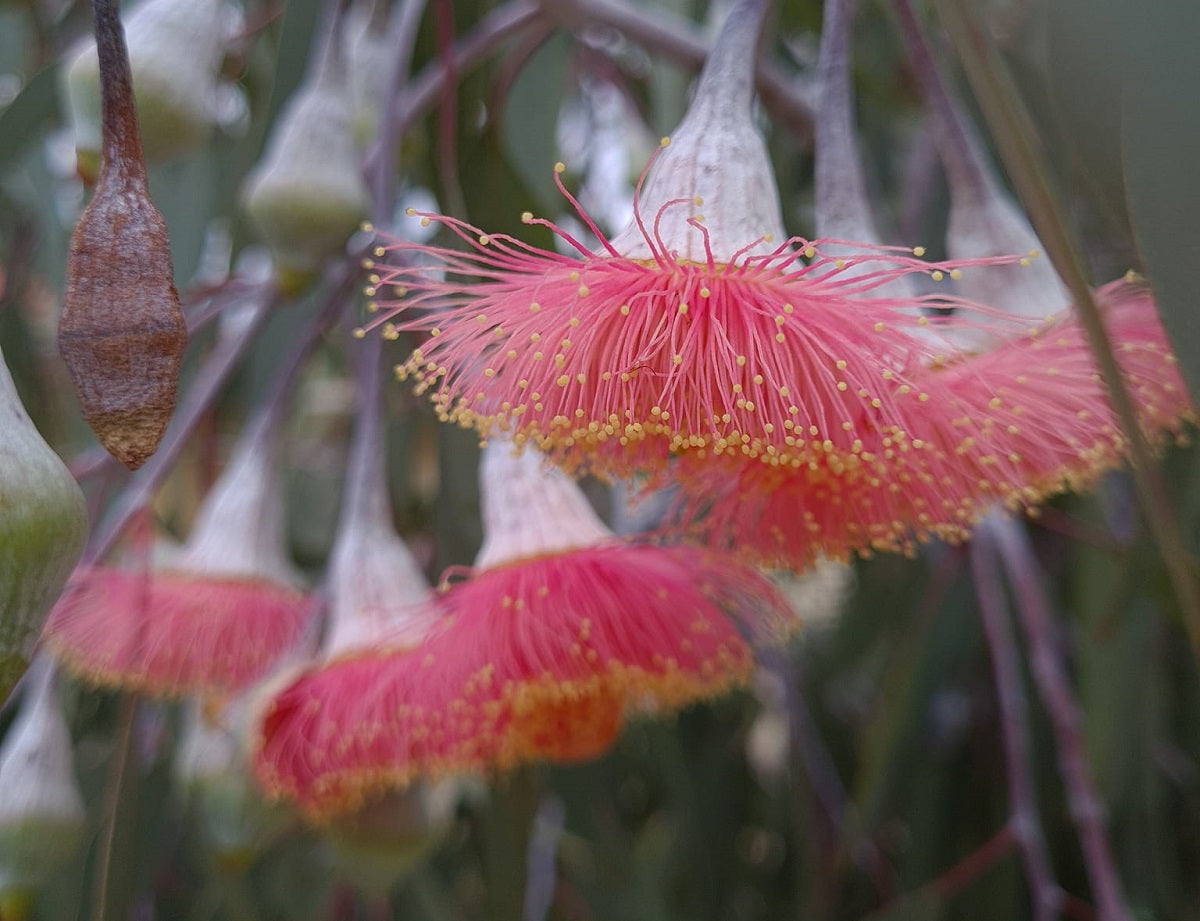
x=306 y=195
x=42 y=815
x=174 y=52
x=215 y=619
x=559 y=634
x=379 y=608
x=42 y=529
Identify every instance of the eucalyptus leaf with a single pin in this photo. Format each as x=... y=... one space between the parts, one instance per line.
x=1160 y=135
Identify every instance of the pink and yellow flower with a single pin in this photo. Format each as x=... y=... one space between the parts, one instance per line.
x=215 y=619
x=560 y=634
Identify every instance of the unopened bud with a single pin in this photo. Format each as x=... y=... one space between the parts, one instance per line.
x=42 y=815
x=306 y=196
x=43 y=523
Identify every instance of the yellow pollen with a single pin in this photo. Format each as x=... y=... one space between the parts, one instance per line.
x=809 y=252
x=664 y=142
x=560 y=167
x=359 y=332
x=535 y=307
x=918 y=251
x=484 y=240
x=704 y=292
x=779 y=321
x=741 y=361
x=758 y=379
x=424 y=222
x=573 y=322
x=535 y=337
x=841 y=385
x=878 y=327
x=678 y=359
x=779 y=337
x=937 y=275
x=624 y=310
x=583 y=290
x=956 y=274
x=683 y=308
x=841 y=365
x=526 y=217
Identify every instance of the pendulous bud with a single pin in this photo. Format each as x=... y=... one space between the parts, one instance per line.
x=306 y=196
x=42 y=817
x=43 y=523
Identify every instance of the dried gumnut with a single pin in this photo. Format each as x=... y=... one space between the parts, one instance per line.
x=122 y=333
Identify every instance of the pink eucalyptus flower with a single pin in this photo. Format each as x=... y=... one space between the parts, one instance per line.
x=1010 y=426
x=688 y=331
x=559 y=634
x=215 y=619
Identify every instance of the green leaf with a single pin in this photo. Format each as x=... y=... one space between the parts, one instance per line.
x=1160 y=137
x=531 y=118
x=22 y=122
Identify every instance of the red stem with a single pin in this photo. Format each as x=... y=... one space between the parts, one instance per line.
x=122 y=142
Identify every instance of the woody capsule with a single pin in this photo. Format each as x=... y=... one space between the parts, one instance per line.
x=122 y=333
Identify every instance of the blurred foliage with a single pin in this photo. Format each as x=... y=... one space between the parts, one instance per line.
x=892 y=774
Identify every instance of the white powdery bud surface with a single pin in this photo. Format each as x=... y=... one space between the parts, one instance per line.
x=530 y=508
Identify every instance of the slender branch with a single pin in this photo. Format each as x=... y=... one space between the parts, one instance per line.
x=808 y=750
x=402 y=35
x=683 y=41
x=116 y=785
x=425 y=90
x=1051 y=678
x=1015 y=139
x=209 y=380
x=1014 y=724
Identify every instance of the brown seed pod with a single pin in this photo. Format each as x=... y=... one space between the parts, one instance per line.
x=122 y=332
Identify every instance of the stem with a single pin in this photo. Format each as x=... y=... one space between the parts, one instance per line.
x=366 y=483
x=119 y=791
x=205 y=388
x=959 y=148
x=684 y=41
x=423 y=93
x=509 y=832
x=402 y=35
x=1022 y=797
x=1050 y=676
x=842 y=208
x=1015 y=139
x=809 y=751
x=122 y=142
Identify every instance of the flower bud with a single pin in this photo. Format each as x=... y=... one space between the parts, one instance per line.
x=43 y=523
x=306 y=196
x=174 y=52
x=41 y=809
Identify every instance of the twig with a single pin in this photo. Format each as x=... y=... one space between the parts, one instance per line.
x=115 y=787
x=682 y=40
x=425 y=90
x=204 y=390
x=1015 y=140
x=1014 y=725
x=1051 y=679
